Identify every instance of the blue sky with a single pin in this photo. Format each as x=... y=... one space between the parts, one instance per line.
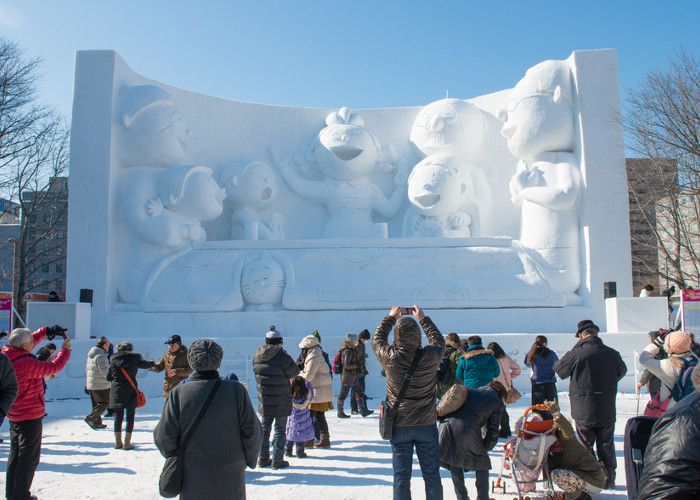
x=329 y=53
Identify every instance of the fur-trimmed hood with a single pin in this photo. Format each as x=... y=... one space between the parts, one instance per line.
x=476 y=352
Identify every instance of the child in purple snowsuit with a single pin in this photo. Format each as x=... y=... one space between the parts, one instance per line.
x=300 y=428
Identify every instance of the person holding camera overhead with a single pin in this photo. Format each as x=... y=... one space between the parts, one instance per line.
x=29 y=408
x=416 y=415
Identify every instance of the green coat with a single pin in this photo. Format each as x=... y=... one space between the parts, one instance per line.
x=574 y=456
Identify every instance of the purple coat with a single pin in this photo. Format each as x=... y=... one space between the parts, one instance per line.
x=300 y=428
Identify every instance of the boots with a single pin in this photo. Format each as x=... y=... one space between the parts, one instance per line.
x=341 y=412
x=118 y=445
x=325 y=441
x=127 y=441
x=362 y=405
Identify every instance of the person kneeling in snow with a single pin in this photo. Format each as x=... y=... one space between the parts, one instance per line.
x=572 y=467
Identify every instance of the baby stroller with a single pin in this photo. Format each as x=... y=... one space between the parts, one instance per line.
x=525 y=456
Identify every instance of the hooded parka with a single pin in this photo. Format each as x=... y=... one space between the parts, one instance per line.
x=418 y=405
x=274 y=369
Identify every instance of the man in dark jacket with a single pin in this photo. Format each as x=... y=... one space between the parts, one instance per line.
x=462 y=446
x=273 y=369
x=8 y=386
x=595 y=369
x=217 y=455
x=361 y=371
x=416 y=415
x=672 y=459
x=175 y=364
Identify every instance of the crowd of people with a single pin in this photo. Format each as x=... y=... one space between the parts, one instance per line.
x=449 y=400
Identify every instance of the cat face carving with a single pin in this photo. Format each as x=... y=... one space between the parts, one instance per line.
x=263 y=281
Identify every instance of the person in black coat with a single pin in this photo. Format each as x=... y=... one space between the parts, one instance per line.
x=595 y=369
x=122 y=397
x=672 y=458
x=273 y=369
x=462 y=413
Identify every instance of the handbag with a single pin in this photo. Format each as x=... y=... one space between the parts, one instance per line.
x=389 y=412
x=655 y=407
x=140 y=396
x=513 y=396
x=170 y=481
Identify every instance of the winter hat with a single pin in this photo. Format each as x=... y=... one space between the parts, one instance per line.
x=678 y=342
x=308 y=342
x=204 y=355
x=364 y=334
x=125 y=346
x=351 y=337
x=273 y=336
x=586 y=324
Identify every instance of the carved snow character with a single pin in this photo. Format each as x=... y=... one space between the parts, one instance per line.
x=346 y=155
x=540 y=132
x=441 y=196
x=251 y=191
x=262 y=284
x=457 y=128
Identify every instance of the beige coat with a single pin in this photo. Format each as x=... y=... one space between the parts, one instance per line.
x=316 y=371
x=509 y=370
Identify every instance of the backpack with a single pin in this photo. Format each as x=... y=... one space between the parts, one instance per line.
x=684 y=385
x=446 y=376
x=338 y=363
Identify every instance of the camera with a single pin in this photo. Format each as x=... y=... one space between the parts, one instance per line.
x=56 y=331
x=407 y=311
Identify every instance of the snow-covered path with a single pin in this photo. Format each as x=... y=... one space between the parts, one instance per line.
x=79 y=463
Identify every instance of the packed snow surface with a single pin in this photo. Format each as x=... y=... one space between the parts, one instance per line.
x=80 y=463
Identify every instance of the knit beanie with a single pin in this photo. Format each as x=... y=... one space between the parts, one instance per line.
x=678 y=342
x=273 y=336
x=364 y=334
x=204 y=355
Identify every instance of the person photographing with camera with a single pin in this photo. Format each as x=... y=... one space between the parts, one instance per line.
x=411 y=383
x=29 y=408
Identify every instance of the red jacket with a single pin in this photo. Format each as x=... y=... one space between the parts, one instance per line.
x=30 y=373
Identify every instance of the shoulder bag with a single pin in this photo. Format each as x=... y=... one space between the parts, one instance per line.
x=388 y=412
x=170 y=482
x=140 y=396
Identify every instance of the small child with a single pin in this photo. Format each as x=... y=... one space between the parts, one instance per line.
x=300 y=428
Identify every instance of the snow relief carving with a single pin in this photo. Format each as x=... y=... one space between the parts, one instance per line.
x=344 y=195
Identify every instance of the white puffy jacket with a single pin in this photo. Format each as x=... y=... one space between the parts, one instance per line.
x=316 y=371
x=96 y=370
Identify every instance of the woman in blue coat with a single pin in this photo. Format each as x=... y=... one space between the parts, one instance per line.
x=541 y=360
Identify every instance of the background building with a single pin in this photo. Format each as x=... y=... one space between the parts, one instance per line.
x=649 y=182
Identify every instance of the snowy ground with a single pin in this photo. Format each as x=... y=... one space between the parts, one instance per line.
x=78 y=462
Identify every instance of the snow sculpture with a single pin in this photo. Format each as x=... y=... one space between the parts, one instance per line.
x=150 y=130
x=163 y=210
x=262 y=284
x=440 y=191
x=540 y=132
x=346 y=154
x=457 y=127
x=251 y=191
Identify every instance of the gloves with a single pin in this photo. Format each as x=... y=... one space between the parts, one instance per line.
x=54 y=331
x=658 y=337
